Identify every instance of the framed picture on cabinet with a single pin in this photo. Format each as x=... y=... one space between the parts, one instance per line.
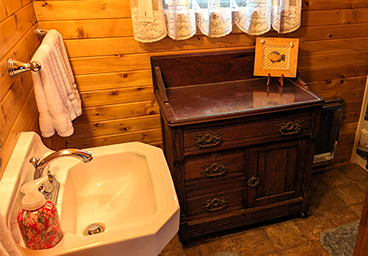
x=276 y=57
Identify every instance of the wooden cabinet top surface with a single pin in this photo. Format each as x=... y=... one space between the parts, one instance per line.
x=186 y=97
x=235 y=97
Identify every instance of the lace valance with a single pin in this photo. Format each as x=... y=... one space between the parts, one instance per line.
x=180 y=19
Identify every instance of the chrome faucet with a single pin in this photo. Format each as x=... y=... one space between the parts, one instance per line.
x=82 y=155
x=51 y=187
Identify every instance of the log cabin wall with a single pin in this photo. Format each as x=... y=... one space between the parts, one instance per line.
x=114 y=77
x=17 y=101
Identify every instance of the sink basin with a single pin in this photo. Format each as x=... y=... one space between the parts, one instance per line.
x=126 y=191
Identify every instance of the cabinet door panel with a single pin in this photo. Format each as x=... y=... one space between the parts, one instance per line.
x=274 y=173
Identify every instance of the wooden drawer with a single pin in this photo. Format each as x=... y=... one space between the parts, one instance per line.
x=211 y=138
x=214 y=166
x=207 y=187
x=215 y=204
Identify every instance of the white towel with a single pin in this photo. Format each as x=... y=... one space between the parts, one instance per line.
x=7 y=245
x=55 y=40
x=57 y=97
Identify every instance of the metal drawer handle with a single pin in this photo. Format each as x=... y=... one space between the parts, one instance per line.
x=215 y=204
x=253 y=182
x=215 y=169
x=208 y=140
x=290 y=128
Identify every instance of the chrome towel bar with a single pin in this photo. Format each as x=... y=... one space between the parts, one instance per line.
x=16 y=67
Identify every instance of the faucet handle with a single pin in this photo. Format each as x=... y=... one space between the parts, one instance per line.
x=34 y=161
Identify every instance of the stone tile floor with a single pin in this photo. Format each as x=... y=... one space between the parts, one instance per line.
x=337 y=198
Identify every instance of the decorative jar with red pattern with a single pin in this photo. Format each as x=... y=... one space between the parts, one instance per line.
x=38 y=220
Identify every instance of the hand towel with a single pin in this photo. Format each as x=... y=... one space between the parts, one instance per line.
x=57 y=97
x=50 y=97
x=55 y=40
x=7 y=245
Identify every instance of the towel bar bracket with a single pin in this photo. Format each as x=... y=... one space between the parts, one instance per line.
x=16 y=67
x=41 y=33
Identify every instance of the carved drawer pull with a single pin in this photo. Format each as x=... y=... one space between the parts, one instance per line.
x=290 y=128
x=253 y=182
x=215 y=204
x=215 y=169
x=208 y=140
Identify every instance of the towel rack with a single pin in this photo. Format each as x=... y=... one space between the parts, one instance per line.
x=16 y=67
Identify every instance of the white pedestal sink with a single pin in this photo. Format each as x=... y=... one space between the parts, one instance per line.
x=127 y=189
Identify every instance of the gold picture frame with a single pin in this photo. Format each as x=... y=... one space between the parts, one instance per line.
x=276 y=56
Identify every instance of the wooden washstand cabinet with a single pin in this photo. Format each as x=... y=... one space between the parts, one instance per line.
x=240 y=152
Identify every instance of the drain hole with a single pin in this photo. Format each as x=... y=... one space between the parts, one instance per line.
x=94 y=228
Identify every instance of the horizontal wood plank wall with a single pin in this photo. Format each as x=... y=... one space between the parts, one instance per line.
x=114 y=77
x=17 y=100
x=17 y=103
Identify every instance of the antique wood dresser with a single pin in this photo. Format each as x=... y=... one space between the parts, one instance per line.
x=240 y=152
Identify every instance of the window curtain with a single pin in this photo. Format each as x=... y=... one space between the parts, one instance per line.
x=181 y=19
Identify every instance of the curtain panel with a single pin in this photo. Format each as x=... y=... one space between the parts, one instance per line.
x=181 y=19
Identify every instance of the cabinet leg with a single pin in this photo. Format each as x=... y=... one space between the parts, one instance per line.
x=304 y=214
x=183 y=233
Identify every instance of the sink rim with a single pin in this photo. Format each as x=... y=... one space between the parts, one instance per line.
x=161 y=190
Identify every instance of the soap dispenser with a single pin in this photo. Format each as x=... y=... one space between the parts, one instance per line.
x=38 y=220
